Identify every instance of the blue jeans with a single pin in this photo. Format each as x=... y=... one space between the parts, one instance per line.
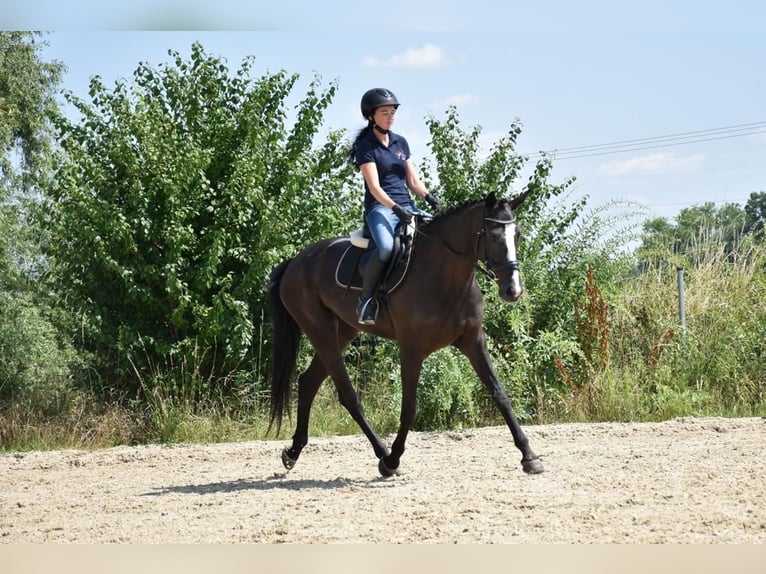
x=382 y=222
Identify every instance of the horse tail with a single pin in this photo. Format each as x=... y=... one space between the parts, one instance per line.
x=284 y=349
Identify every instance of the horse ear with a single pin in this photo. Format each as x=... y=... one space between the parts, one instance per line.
x=518 y=200
x=490 y=200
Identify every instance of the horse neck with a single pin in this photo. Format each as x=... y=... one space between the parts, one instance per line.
x=459 y=233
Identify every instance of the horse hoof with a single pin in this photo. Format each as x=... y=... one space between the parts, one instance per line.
x=385 y=471
x=533 y=466
x=287 y=460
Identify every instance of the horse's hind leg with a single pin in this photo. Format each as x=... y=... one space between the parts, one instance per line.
x=328 y=359
x=330 y=350
x=475 y=348
x=308 y=384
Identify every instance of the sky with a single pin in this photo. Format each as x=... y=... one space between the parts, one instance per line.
x=657 y=102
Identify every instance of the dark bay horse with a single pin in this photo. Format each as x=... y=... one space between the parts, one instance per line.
x=438 y=304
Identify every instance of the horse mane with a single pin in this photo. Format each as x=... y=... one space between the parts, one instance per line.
x=454 y=209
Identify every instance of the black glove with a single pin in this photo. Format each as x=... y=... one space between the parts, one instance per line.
x=404 y=214
x=434 y=202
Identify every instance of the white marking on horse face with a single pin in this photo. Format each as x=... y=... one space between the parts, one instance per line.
x=510 y=246
x=510 y=240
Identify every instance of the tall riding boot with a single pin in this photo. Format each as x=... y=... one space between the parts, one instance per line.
x=367 y=310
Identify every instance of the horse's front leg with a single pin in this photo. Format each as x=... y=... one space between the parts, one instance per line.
x=475 y=348
x=412 y=363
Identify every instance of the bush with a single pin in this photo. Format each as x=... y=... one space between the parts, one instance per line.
x=35 y=366
x=448 y=394
x=175 y=196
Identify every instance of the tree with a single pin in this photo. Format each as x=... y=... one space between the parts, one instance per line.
x=698 y=232
x=27 y=99
x=177 y=194
x=755 y=214
x=27 y=103
x=34 y=362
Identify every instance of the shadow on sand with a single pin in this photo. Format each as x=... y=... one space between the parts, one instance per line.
x=277 y=481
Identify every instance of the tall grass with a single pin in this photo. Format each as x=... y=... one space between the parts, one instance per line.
x=176 y=402
x=636 y=363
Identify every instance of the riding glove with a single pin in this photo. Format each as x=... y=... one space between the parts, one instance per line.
x=404 y=214
x=434 y=202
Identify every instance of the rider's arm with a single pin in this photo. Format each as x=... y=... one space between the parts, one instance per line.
x=370 y=174
x=413 y=181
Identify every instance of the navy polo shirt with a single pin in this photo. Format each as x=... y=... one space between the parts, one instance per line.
x=391 y=163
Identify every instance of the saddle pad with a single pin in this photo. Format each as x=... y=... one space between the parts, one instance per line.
x=347 y=272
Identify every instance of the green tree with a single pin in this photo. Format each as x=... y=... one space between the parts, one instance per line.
x=657 y=242
x=177 y=194
x=755 y=214
x=688 y=240
x=34 y=362
x=28 y=86
x=27 y=102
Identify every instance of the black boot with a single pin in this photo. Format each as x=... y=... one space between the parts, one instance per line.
x=367 y=310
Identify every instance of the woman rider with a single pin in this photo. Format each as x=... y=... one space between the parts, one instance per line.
x=383 y=157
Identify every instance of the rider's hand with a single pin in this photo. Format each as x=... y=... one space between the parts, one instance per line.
x=404 y=214
x=434 y=202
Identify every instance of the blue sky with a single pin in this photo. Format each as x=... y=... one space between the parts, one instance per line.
x=575 y=73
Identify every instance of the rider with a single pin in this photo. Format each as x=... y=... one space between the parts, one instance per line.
x=383 y=157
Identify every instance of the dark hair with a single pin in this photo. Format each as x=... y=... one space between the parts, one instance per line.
x=352 y=150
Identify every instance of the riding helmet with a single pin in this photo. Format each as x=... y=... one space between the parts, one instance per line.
x=375 y=98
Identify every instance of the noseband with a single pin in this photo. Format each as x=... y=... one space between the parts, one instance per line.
x=489 y=269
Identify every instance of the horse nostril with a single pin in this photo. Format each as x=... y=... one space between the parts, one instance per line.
x=512 y=292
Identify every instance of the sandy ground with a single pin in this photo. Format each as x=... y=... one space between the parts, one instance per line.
x=687 y=480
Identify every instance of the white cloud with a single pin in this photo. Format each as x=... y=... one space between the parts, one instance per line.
x=429 y=56
x=653 y=164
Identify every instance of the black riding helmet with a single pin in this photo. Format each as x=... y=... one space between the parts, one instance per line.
x=375 y=98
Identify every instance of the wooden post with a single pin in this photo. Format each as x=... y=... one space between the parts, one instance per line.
x=681 y=301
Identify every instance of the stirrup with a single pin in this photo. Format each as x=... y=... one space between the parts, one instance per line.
x=367 y=312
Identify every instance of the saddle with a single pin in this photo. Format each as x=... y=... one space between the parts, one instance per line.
x=348 y=273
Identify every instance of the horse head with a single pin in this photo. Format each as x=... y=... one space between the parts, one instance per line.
x=500 y=233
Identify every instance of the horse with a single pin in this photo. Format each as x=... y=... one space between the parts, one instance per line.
x=439 y=303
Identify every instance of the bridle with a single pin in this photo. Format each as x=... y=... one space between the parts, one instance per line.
x=486 y=266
